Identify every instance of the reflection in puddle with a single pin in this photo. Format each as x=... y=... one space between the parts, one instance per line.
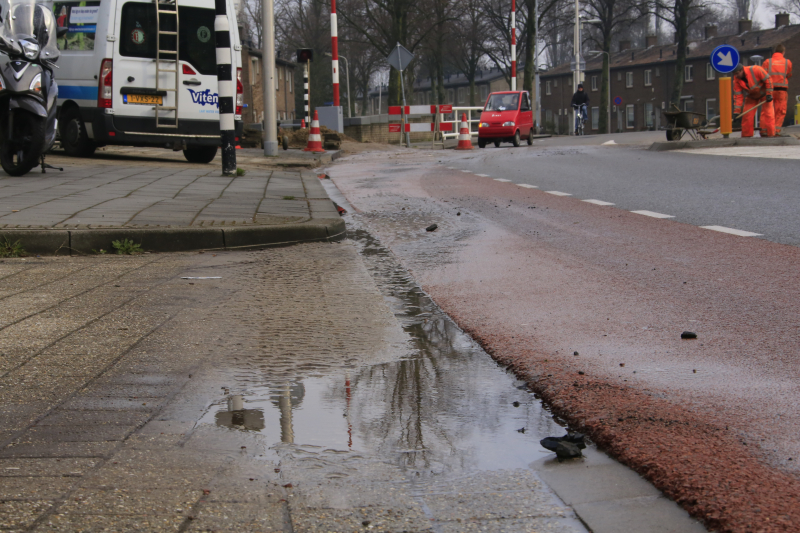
x=442 y=406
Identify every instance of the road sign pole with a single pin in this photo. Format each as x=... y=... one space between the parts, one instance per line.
x=725 y=107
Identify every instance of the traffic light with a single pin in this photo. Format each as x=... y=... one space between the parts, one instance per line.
x=305 y=54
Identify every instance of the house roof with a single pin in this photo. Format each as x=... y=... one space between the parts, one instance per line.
x=747 y=43
x=257 y=53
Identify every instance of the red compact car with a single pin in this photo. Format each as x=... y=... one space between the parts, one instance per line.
x=507 y=117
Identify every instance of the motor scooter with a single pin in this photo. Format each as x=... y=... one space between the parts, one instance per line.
x=28 y=89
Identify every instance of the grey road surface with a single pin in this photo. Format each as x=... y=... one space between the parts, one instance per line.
x=753 y=194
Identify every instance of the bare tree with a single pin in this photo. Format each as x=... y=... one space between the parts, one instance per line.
x=466 y=47
x=614 y=15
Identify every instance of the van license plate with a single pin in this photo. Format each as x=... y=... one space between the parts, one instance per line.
x=142 y=99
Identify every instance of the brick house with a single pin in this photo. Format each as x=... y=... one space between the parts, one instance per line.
x=643 y=78
x=252 y=81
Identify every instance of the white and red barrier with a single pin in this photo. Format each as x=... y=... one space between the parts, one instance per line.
x=419 y=127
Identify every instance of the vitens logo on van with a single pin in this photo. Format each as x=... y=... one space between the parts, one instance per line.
x=205 y=97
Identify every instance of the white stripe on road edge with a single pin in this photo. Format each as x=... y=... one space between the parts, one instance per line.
x=527 y=186
x=598 y=202
x=558 y=193
x=607 y=143
x=652 y=214
x=467 y=171
x=502 y=180
x=732 y=231
x=483 y=175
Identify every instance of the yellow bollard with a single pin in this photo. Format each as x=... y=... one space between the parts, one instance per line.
x=797 y=111
x=725 y=107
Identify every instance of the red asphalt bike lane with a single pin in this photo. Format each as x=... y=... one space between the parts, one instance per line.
x=712 y=422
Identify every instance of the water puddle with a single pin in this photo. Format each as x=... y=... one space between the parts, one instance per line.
x=442 y=407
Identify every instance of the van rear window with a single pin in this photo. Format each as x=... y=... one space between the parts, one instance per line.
x=138 y=35
x=80 y=19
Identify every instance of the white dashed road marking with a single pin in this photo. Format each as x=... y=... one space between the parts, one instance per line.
x=483 y=175
x=732 y=231
x=527 y=186
x=558 y=193
x=467 y=171
x=502 y=180
x=652 y=214
x=451 y=168
x=598 y=202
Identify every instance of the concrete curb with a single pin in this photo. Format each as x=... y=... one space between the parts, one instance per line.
x=721 y=143
x=85 y=241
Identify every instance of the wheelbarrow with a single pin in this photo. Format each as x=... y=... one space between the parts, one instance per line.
x=680 y=123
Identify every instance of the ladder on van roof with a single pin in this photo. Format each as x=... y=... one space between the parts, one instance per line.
x=166 y=15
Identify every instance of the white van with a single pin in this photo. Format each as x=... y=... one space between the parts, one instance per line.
x=140 y=73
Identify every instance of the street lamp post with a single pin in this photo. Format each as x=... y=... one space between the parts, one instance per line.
x=347 y=70
x=608 y=86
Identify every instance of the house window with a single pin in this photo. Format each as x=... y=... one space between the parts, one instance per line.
x=595 y=118
x=688 y=71
x=280 y=73
x=559 y=112
x=451 y=95
x=649 y=116
x=555 y=83
x=688 y=105
x=569 y=82
x=291 y=85
x=548 y=115
x=461 y=95
x=594 y=83
x=619 y=76
x=631 y=123
x=648 y=78
x=629 y=79
x=710 y=72
x=658 y=72
x=547 y=88
x=711 y=108
x=485 y=92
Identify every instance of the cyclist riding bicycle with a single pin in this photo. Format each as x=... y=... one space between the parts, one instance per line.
x=580 y=100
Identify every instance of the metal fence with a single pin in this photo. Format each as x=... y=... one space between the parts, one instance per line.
x=456 y=114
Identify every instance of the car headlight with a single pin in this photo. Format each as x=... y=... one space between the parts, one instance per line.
x=31 y=50
x=509 y=123
x=483 y=125
x=36 y=84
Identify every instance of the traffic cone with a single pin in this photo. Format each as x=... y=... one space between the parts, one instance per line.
x=303 y=123
x=314 y=137
x=464 y=138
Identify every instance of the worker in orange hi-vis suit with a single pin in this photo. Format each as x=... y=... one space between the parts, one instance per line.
x=780 y=70
x=751 y=86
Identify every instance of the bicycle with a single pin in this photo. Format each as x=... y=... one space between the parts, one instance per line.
x=580 y=118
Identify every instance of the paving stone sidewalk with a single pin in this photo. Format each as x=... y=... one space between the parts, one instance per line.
x=171 y=207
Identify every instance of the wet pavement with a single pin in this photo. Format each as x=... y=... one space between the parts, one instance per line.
x=307 y=388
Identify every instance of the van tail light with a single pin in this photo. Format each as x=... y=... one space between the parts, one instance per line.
x=239 y=92
x=105 y=86
x=189 y=70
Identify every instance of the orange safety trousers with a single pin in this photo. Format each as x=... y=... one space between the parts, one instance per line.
x=767 y=118
x=779 y=103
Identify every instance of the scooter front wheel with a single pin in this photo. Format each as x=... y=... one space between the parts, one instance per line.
x=22 y=150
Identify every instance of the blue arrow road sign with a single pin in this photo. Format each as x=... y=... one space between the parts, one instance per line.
x=724 y=58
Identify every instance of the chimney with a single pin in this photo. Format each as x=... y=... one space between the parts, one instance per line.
x=781 y=19
x=711 y=31
x=624 y=45
x=650 y=40
x=745 y=25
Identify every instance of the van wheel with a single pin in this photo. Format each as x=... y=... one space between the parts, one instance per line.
x=481 y=143
x=497 y=143
x=200 y=154
x=516 y=139
x=74 y=139
x=530 y=137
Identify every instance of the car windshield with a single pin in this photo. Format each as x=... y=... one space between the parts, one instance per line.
x=32 y=22
x=502 y=102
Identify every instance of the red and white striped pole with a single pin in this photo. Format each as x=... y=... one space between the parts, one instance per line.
x=513 y=45
x=335 y=53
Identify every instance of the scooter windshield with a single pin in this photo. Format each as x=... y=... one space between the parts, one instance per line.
x=30 y=31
